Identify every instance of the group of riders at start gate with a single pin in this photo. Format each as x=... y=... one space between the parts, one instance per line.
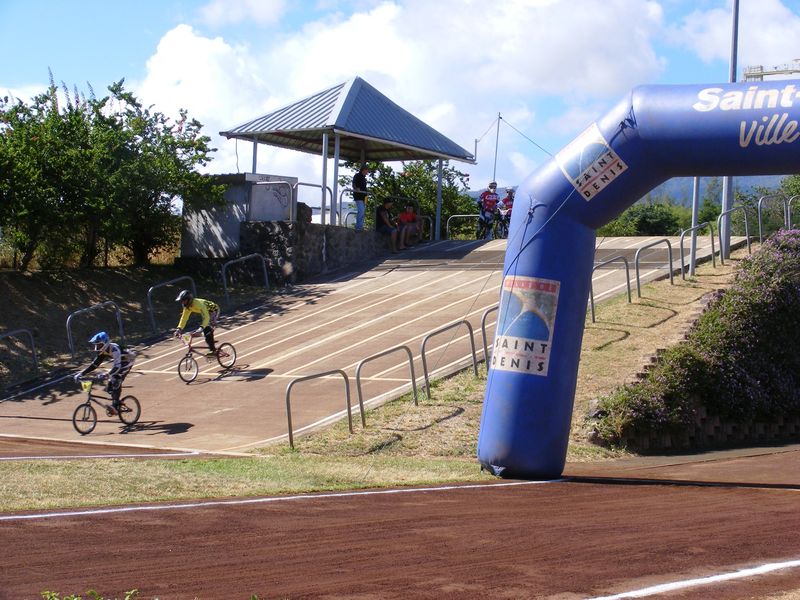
x=494 y=214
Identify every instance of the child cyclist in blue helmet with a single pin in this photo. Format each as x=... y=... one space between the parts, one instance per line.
x=122 y=363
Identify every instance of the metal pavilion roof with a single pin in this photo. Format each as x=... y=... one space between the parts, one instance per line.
x=371 y=127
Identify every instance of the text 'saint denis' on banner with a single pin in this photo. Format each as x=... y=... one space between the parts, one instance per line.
x=525 y=325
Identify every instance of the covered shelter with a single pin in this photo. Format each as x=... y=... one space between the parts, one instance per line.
x=365 y=126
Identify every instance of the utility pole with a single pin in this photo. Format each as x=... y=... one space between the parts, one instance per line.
x=496 y=140
x=727 y=182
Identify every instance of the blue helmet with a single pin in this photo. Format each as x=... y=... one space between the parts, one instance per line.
x=101 y=341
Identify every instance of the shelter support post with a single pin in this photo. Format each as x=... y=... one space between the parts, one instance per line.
x=323 y=203
x=336 y=204
x=438 y=234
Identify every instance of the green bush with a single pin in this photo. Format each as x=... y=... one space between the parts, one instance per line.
x=740 y=360
x=644 y=219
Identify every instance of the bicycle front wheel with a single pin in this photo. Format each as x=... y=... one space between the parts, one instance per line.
x=226 y=355
x=84 y=419
x=187 y=369
x=129 y=410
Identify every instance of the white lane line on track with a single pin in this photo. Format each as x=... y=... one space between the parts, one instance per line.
x=403 y=325
x=304 y=317
x=272 y=360
x=270 y=500
x=84 y=456
x=687 y=583
x=220 y=332
x=297 y=305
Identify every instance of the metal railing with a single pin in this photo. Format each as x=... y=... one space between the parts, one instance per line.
x=343 y=220
x=150 y=308
x=627 y=279
x=719 y=230
x=484 y=337
x=713 y=251
x=106 y=304
x=322 y=209
x=785 y=212
x=451 y=217
x=347 y=215
x=242 y=259
x=437 y=332
x=15 y=333
x=636 y=263
x=429 y=220
x=380 y=355
x=789 y=213
x=317 y=376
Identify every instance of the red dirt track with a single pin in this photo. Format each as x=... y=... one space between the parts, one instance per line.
x=634 y=524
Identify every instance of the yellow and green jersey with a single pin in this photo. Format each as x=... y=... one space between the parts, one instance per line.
x=205 y=308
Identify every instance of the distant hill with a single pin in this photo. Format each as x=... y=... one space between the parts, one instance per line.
x=679 y=189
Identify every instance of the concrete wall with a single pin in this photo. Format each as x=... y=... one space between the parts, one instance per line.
x=214 y=233
x=298 y=250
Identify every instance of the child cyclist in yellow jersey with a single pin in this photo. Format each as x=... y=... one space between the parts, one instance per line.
x=208 y=311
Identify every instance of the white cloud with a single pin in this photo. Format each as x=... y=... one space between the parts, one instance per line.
x=768 y=33
x=453 y=63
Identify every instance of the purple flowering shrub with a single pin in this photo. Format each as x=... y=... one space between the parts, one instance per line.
x=741 y=360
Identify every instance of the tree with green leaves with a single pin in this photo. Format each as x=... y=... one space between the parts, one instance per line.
x=416 y=181
x=78 y=173
x=157 y=170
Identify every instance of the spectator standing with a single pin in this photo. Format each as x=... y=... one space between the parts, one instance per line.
x=360 y=195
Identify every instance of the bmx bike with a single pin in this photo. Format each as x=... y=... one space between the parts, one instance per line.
x=84 y=419
x=484 y=230
x=187 y=365
x=501 y=224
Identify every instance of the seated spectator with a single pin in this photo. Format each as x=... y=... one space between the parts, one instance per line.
x=384 y=223
x=410 y=225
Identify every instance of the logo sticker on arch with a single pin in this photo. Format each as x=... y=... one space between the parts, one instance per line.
x=589 y=163
x=525 y=325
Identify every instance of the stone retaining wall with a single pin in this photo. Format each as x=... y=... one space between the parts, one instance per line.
x=710 y=431
x=294 y=250
x=298 y=250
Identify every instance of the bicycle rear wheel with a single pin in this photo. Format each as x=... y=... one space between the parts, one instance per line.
x=84 y=419
x=129 y=410
x=187 y=369
x=502 y=230
x=226 y=355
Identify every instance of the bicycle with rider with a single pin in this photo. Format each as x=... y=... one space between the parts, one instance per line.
x=208 y=311
x=487 y=203
x=122 y=360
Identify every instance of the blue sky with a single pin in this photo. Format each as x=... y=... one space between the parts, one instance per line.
x=550 y=67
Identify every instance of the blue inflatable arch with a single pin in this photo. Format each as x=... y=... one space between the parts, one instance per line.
x=658 y=132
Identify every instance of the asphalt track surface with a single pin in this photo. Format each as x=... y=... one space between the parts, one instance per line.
x=712 y=526
x=327 y=325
